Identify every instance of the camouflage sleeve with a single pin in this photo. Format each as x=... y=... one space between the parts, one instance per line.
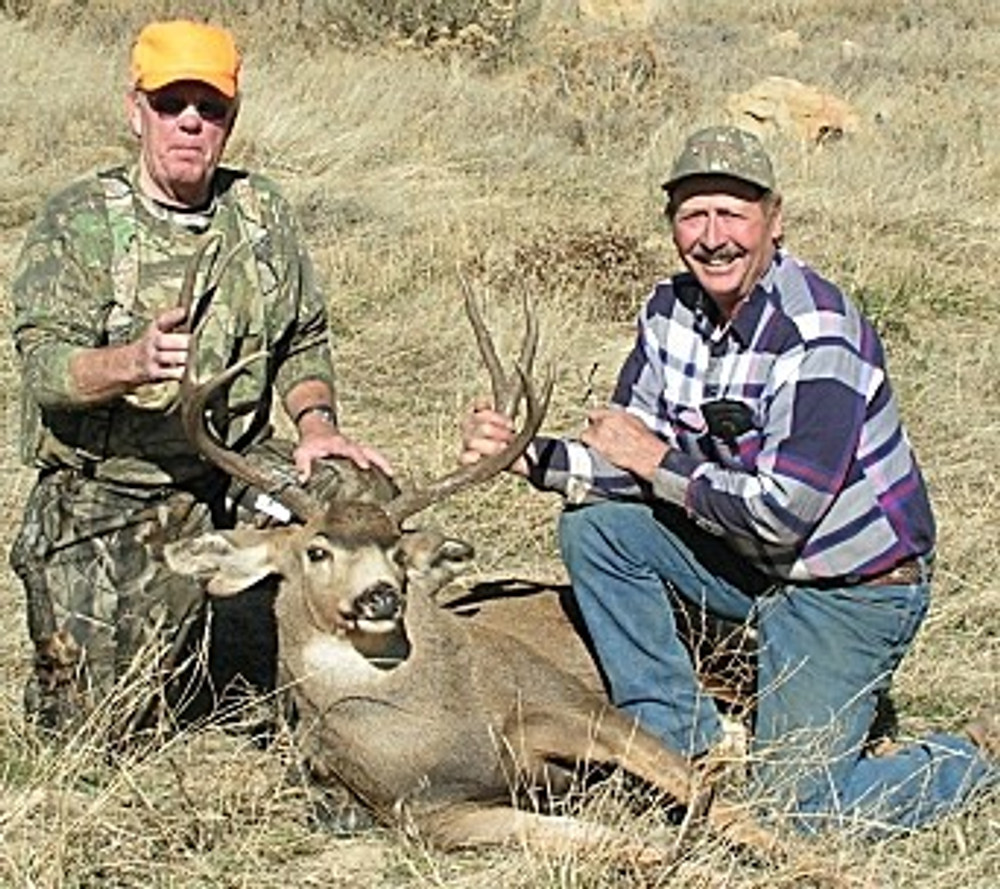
x=300 y=314
x=309 y=357
x=61 y=291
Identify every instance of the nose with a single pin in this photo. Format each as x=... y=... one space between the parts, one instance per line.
x=713 y=235
x=189 y=119
x=381 y=601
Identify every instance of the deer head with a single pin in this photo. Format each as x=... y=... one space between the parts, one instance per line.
x=348 y=566
x=345 y=573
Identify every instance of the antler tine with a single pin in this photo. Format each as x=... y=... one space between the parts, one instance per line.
x=498 y=379
x=194 y=397
x=410 y=503
x=506 y=395
x=186 y=297
x=529 y=346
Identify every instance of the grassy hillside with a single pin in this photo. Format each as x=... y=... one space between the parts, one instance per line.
x=524 y=146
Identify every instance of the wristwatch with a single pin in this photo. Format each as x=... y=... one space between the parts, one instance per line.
x=323 y=410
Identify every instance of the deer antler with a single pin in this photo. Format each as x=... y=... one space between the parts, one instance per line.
x=195 y=394
x=506 y=396
x=187 y=298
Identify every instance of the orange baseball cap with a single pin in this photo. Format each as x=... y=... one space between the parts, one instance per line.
x=166 y=52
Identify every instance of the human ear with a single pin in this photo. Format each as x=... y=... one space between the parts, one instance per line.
x=233 y=114
x=776 y=219
x=133 y=112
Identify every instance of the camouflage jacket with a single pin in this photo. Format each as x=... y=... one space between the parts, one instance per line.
x=101 y=262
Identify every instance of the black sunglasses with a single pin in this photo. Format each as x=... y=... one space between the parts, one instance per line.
x=173 y=105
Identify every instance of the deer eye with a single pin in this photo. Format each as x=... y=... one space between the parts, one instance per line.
x=317 y=553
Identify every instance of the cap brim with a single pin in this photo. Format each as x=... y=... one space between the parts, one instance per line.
x=223 y=83
x=677 y=180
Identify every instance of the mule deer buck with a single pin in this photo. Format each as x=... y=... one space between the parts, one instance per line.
x=436 y=722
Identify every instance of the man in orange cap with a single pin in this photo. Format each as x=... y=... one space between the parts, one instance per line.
x=182 y=108
x=104 y=344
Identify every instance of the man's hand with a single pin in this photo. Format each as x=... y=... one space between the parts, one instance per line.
x=104 y=372
x=161 y=352
x=310 y=404
x=324 y=440
x=485 y=432
x=625 y=441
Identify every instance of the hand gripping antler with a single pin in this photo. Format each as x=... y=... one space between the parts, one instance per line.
x=507 y=394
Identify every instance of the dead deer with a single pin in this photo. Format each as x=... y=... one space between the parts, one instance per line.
x=434 y=721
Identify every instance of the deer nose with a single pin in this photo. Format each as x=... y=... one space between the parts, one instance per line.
x=382 y=601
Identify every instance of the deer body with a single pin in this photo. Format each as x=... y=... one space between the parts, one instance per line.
x=436 y=721
x=458 y=705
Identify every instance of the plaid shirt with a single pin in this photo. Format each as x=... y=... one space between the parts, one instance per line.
x=784 y=434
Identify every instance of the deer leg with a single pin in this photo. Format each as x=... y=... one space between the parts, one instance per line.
x=610 y=737
x=470 y=825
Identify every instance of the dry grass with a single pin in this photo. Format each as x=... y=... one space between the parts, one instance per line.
x=535 y=167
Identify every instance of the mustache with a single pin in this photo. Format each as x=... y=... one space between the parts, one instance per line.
x=723 y=254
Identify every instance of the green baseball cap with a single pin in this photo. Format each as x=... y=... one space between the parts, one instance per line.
x=723 y=151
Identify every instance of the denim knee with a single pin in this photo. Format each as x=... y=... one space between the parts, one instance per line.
x=576 y=532
x=585 y=530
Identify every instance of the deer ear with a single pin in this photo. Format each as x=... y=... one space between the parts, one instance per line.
x=231 y=561
x=433 y=560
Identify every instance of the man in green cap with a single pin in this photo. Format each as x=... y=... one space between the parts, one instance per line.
x=103 y=344
x=753 y=468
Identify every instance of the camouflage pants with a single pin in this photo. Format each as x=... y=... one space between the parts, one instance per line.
x=118 y=637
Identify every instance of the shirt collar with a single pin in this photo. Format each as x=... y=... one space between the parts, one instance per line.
x=744 y=322
x=195 y=221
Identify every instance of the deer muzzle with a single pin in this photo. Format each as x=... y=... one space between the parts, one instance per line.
x=377 y=609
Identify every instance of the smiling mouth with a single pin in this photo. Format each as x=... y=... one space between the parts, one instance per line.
x=717 y=260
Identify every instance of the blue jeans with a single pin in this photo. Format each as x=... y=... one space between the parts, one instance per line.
x=824 y=658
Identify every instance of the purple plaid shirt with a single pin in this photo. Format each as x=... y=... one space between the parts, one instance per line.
x=784 y=434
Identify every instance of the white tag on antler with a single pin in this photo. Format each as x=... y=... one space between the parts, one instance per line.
x=270 y=507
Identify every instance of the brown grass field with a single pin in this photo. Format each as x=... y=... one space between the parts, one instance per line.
x=528 y=154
